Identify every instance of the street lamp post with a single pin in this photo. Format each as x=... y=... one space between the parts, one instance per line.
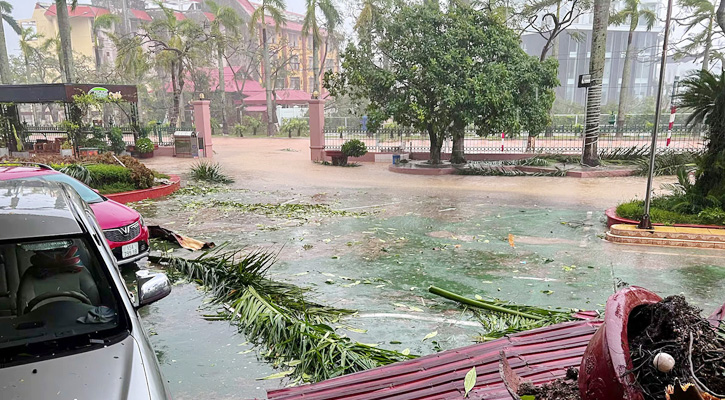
x=646 y=222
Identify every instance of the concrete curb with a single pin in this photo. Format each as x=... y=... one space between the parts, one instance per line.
x=151 y=193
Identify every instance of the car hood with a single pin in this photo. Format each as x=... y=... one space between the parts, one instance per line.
x=113 y=372
x=112 y=214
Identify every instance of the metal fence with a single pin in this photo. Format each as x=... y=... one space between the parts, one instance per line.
x=559 y=141
x=161 y=136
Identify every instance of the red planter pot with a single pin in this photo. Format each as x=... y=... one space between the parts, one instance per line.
x=603 y=371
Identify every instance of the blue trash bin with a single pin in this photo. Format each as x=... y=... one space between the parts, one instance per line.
x=396 y=159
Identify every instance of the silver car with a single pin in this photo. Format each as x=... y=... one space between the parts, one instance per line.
x=69 y=327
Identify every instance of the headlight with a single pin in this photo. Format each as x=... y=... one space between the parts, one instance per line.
x=140 y=220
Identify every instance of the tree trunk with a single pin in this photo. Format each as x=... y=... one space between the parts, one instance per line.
x=626 y=78
x=458 y=155
x=721 y=15
x=316 y=64
x=549 y=132
x=65 y=41
x=590 y=154
x=5 y=76
x=223 y=89
x=96 y=51
x=173 y=118
x=271 y=123
x=436 y=142
x=708 y=46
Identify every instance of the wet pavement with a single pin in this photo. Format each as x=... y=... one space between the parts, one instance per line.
x=402 y=235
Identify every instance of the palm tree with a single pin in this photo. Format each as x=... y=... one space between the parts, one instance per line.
x=66 y=46
x=698 y=13
x=101 y=22
x=704 y=94
x=5 y=10
x=633 y=12
x=27 y=36
x=275 y=9
x=590 y=154
x=224 y=17
x=311 y=26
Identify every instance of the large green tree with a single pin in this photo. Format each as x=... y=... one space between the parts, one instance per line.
x=173 y=46
x=704 y=94
x=311 y=26
x=66 y=46
x=590 y=153
x=275 y=10
x=447 y=71
x=632 y=11
x=226 y=23
x=700 y=32
x=5 y=10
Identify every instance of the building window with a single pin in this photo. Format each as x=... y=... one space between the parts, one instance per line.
x=279 y=83
x=329 y=64
x=309 y=62
x=311 y=85
x=294 y=63
x=293 y=40
x=294 y=83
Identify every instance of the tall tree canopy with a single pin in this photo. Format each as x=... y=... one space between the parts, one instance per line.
x=447 y=71
x=5 y=15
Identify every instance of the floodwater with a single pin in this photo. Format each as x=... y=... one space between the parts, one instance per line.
x=407 y=233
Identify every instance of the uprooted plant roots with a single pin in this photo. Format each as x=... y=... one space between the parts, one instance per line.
x=565 y=388
x=674 y=327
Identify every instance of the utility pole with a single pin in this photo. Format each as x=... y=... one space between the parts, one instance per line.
x=646 y=222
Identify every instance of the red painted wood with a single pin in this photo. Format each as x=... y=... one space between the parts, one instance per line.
x=603 y=371
x=539 y=355
x=151 y=193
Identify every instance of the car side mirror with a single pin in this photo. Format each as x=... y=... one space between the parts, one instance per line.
x=151 y=287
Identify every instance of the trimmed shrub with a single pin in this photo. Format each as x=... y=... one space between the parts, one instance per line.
x=117 y=187
x=144 y=145
x=354 y=148
x=106 y=174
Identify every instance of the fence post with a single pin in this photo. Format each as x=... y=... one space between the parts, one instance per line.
x=317 y=126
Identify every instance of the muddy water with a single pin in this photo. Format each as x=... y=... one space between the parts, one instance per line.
x=410 y=233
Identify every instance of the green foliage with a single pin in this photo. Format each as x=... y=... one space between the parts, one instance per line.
x=116 y=187
x=115 y=136
x=290 y=330
x=295 y=125
x=668 y=163
x=354 y=148
x=105 y=174
x=79 y=172
x=704 y=94
x=249 y=125
x=144 y=145
x=439 y=72
x=210 y=172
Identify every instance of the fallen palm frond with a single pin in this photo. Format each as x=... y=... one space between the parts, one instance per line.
x=500 y=318
x=668 y=163
x=79 y=172
x=293 y=332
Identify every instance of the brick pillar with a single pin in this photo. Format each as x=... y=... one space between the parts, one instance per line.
x=202 y=122
x=317 y=125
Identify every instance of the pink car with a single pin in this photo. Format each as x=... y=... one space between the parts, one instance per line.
x=123 y=227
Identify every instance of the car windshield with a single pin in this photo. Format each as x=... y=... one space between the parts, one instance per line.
x=55 y=295
x=86 y=193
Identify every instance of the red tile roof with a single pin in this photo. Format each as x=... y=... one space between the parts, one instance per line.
x=540 y=355
x=179 y=16
x=210 y=16
x=251 y=87
x=140 y=14
x=80 y=11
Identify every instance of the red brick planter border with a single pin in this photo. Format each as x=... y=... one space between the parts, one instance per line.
x=151 y=193
x=613 y=218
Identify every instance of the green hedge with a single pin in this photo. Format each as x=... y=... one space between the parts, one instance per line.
x=660 y=215
x=107 y=174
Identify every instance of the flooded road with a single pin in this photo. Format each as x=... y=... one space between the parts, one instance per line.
x=397 y=236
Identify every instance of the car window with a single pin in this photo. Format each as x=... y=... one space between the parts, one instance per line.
x=55 y=295
x=86 y=193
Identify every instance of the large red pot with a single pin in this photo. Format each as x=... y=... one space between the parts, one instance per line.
x=603 y=371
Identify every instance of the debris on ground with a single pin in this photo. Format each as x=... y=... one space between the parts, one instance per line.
x=677 y=329
x=566 y=388
x=158 y=232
